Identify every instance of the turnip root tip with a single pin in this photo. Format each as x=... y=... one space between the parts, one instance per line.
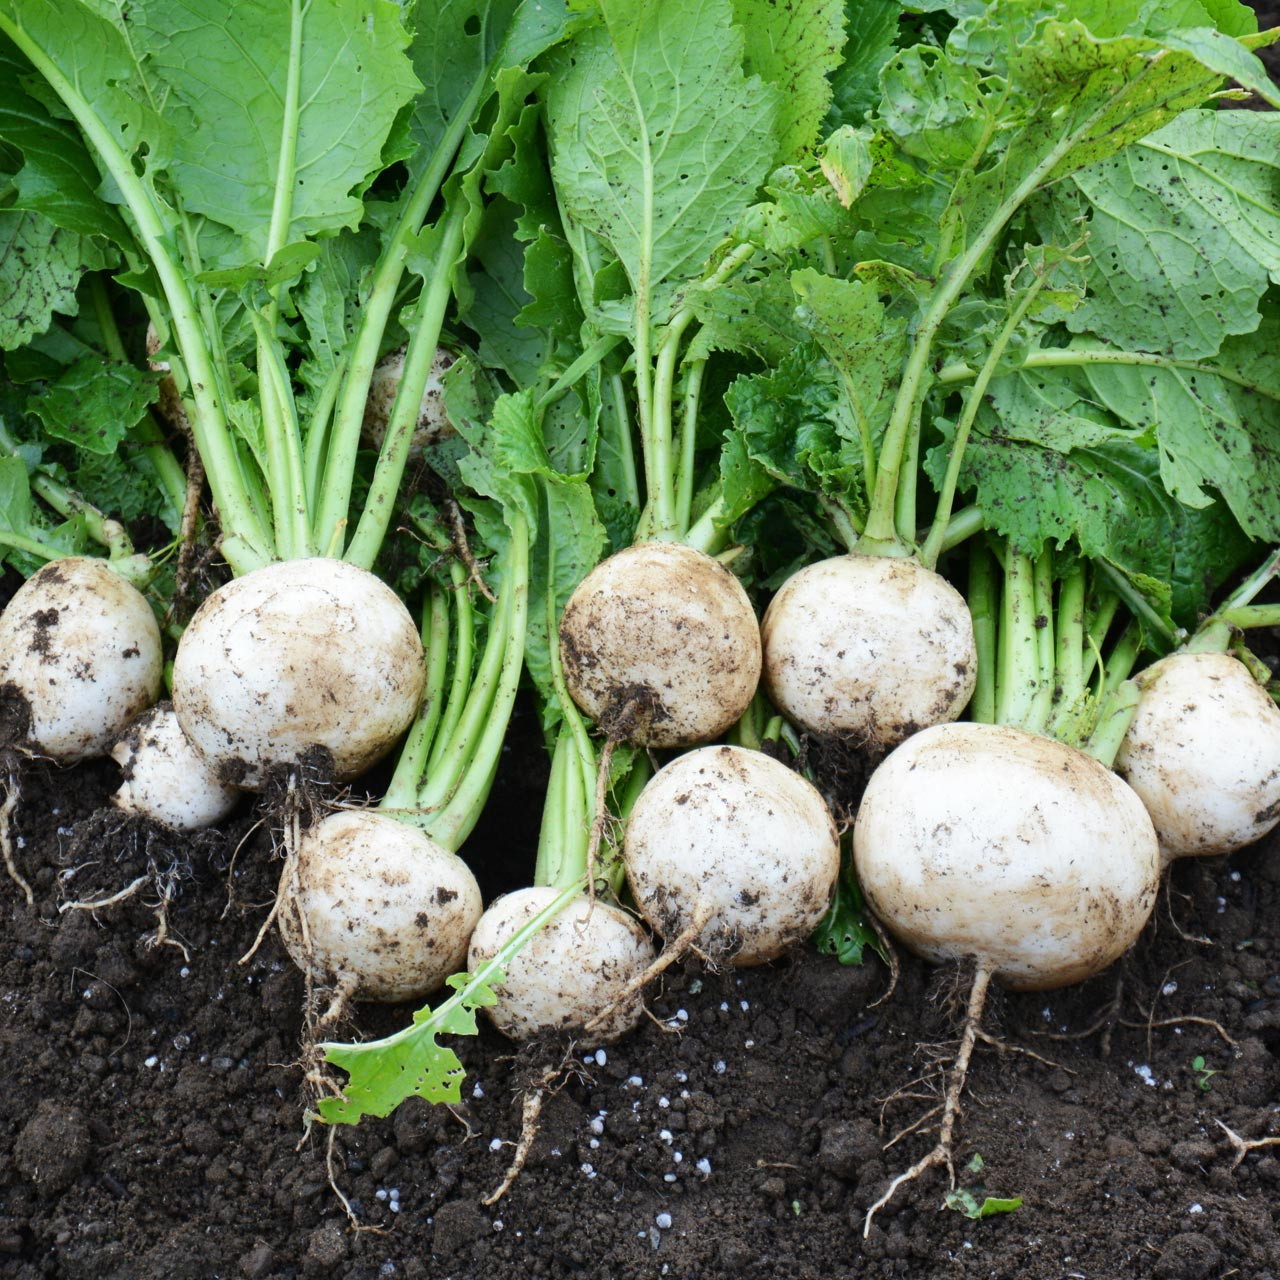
x=660 y=646
x=868 y=646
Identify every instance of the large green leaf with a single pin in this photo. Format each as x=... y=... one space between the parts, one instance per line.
x=659 y=140
x=40 y=269
x=1184 y=234
x=794 y=47
x=230 y=66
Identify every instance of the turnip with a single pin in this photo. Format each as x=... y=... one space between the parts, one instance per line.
x=1203 y=750
x=298 y=657
x=568 y=972
x=433 y=420
x=730 y=851
x=868 y=646
x=987 y=843
x=996 y=845
x=165 y=779
x=80 y=656
x=377 y=906
x=660 y=645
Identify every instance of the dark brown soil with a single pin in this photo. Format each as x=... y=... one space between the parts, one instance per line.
x=151 y=1127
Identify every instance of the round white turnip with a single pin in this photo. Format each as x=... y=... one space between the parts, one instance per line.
x=433 y=421
x=80 y=657
x=376 y=906
x=868 y=646
x=732 y=850
x=294 y=659
x=660 y=645
x=983 y=842
x=165 y=778
x=576 y=966
x=1203 y=752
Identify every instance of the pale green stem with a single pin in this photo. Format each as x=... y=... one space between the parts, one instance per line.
x=494 y=680
x=388 y=472
x=316 y=436
x=1042 y=587
x=938 y=531
x=1018 y=678
x=982 y=600
x=402 y=793
x=688 y=443
x=287 y=159
x=340 y=462
x=463 y=657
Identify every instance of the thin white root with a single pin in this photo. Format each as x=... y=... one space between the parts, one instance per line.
x=672 y=952
x=98 y=904
x=529 y=1117
x=6 y=836
x=331 y=1170
x=1242 y=1146
x=942 y=1150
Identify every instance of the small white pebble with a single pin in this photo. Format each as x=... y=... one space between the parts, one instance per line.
x=682 y=1015
x=1235 y=877
x=1169 y=988
x=151 y=1061
x=394 y=1192
x=744 y=1005
x=724 y=1006
x=476 y=1090
x=664 y=1102
x=663 y=1221
x=587 y=1168
x=496 y=1144
x=594 y=1144
x=666 y=1135
x=681 y=1077
x=635 y=1082
x=719 y=1068
x=388 y=1268
x=498 y=1224
x=749 y=1044
x=695 y=986
x=394 y=1206
x=704 y=1167
x=184 y=972
x=668 y=1177
x=1196 y=1208
x=601 y=1057
x=597 y=1126
x=380 y=1194
x=676 y=1157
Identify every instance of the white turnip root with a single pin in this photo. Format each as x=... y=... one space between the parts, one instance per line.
x=377 y=907
x=433 y=421
x=1013 y=852
x=574 y=967
x=660 y=646
x=80 y=657
x=869 y=646
x=299 y=655
x=165 y=778
x=1203 y=752
x=986 y=843
x=732 y=852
